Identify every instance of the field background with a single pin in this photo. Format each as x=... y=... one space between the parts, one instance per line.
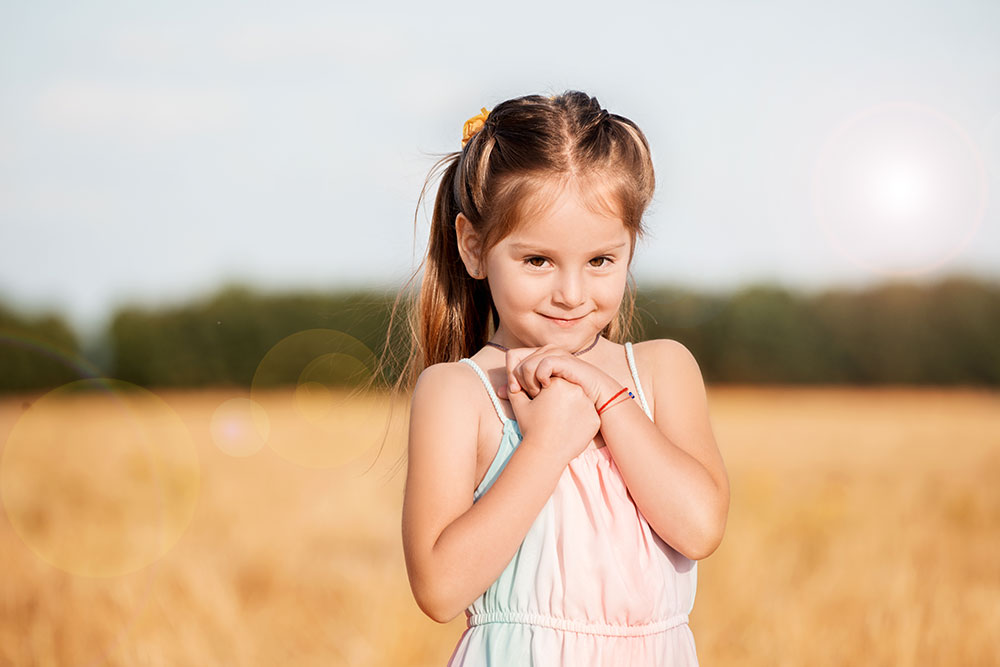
x=864 y=529
x=211 y=206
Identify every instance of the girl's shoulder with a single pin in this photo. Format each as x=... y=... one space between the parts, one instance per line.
x=663 y=353
x=445 y=380
x=450 y=391
x=671 y=367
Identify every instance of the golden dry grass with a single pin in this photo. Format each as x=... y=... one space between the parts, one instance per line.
x=864 y=530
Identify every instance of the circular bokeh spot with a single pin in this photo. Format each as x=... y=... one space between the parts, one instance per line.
x=239 y=427
x=99 y=477
x=899 y=189
x=315 y=386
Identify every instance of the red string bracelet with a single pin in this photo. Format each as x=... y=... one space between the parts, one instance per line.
x=609 y=401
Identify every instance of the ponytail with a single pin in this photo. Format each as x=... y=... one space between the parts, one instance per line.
x=454 y=308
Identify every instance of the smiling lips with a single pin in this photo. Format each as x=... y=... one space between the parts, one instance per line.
x=563 y=322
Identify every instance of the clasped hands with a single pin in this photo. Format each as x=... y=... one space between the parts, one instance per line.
x=532 y=369
x=555 y=396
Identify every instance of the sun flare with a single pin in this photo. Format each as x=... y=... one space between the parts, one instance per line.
x=899 y=189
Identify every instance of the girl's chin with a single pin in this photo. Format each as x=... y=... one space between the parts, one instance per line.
x=569 y=340
x=575 y=336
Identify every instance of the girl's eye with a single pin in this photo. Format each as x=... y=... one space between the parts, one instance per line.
x=597 y=262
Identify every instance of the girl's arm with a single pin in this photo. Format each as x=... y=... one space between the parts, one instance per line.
x=455 y=549
x=672 y=468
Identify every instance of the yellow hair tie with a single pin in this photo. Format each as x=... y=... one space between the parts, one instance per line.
x=473 y=125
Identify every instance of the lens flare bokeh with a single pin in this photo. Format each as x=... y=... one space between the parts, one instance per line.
x=899 y=189
x=324 y=412
x=99 y=477
x=239 y=427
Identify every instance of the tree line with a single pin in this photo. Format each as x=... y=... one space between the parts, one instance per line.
x=943 y=333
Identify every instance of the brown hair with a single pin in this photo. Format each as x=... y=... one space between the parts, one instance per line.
x=526 y=145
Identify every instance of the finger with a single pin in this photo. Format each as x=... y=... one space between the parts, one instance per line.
x=546 y=365
x=521 y=364
x=524 y=379
x=502 y=391
x=524 y=373
x=546 y=369
x=512 y=359
x=518 y=401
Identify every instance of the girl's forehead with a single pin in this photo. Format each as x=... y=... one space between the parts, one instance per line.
x=571 y=215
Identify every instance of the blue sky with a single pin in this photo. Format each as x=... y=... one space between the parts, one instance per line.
x=151 y=151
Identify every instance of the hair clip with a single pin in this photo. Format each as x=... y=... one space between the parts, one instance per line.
x=473 y=125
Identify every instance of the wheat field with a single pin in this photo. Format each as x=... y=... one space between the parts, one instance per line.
x=158 y=528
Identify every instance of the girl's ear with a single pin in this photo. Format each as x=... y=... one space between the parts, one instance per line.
x=469 y=246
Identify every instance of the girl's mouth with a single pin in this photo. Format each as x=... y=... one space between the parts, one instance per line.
x=564 y=322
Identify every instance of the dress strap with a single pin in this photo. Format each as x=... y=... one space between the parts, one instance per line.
x=489 y=388
x=635 y=377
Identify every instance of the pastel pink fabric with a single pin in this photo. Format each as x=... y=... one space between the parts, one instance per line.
x=591 y=584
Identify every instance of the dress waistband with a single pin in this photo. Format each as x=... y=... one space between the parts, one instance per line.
x=482 y=618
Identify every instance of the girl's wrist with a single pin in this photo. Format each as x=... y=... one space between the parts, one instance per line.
x=620 y=396
x=605 y=390
x=610 y=393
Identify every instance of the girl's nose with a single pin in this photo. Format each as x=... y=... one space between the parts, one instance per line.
x=569 y=290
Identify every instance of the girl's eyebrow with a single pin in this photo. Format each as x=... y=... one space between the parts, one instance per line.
x=520 y=247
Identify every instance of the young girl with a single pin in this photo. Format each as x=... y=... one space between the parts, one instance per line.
x=560 y=485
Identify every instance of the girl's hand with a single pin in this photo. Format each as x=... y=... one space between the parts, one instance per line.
x=533 y=368
x=561 y=418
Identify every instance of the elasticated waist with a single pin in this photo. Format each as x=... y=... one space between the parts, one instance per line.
x=577 y=626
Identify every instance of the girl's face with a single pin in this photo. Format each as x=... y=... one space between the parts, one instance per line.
x=559 y=277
